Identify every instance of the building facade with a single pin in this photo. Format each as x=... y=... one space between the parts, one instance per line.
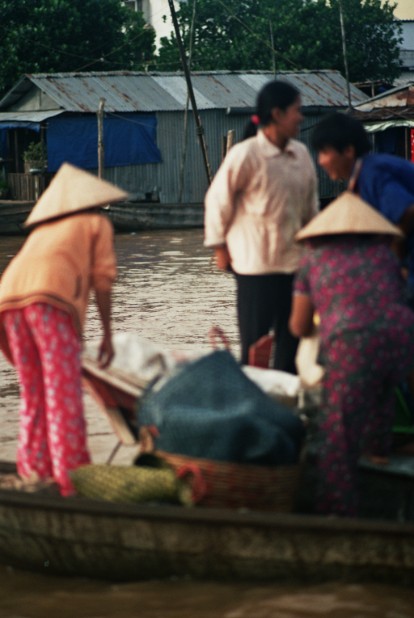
x=151 y=141
x=157 y=14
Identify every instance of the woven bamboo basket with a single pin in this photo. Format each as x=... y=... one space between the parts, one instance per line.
x=230 y=485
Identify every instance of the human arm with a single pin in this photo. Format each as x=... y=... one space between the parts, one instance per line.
x=222 y=258
x=221 y=204
x=103 y=274
x=106 y=351
x=301 y=321
x=301 y=317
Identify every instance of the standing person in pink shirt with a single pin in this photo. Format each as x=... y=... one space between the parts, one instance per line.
x=44 y=294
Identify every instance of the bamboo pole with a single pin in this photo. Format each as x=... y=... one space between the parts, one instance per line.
x=342 y=22
x=185 y=138
x=200 y=130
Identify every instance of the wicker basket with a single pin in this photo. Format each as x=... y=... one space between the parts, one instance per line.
x=223 y=484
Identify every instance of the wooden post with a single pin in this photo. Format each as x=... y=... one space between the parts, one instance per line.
x=223 y=146
x=36 y=186
x=230 y=139
x=101 y=148
x=227 y=142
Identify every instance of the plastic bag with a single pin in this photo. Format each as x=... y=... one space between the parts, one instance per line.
x=309 y=370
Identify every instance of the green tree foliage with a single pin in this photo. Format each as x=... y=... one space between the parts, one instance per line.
x=70 y=35
x=288 y=35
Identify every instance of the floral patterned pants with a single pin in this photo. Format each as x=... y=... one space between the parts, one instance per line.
x=46 y=353
x=361 y=371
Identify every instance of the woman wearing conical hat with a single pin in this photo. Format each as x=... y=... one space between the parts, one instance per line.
x=44 y=294
x=351 y=278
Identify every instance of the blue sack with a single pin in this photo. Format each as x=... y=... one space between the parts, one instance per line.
x=211 y=409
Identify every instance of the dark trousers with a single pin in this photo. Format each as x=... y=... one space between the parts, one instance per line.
x=264 y=303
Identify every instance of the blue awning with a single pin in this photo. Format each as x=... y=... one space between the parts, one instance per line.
x=25 y=120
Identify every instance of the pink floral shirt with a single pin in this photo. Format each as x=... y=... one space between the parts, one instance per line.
x=354 y=282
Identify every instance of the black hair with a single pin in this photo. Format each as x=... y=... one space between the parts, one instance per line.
x=274 y=94
x=278 y=94
x=338 y=131
x=250 y=130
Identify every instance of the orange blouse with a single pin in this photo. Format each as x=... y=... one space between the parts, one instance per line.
x=60 y=263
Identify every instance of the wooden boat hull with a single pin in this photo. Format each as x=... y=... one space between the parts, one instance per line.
x=137 y=216
x=12 y=216
x=125 y=217
x=76 y=536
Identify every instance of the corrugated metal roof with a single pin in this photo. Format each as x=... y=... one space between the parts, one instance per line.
x=152 y=92
x=28 y=116
x=401 y=96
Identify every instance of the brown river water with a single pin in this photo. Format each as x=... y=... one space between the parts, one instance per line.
x=169 y=292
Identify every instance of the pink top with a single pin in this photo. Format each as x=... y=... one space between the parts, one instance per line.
x=354 y=282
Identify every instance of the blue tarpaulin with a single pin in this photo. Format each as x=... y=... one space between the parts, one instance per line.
x=129 y=139
x=210 y=409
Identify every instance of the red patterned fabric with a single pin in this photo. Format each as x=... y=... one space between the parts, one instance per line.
x=46 y=353
x=367 y=348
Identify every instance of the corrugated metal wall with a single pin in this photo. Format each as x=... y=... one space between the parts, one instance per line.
x=164 y=179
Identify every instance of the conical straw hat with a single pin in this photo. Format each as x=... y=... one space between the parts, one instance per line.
x=73 y=190
x=348 y=214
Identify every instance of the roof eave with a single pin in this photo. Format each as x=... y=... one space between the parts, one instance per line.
x=14 y=94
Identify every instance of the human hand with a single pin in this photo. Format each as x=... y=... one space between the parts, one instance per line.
x=106 y=352
x=222 y=257
x=404 y=273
